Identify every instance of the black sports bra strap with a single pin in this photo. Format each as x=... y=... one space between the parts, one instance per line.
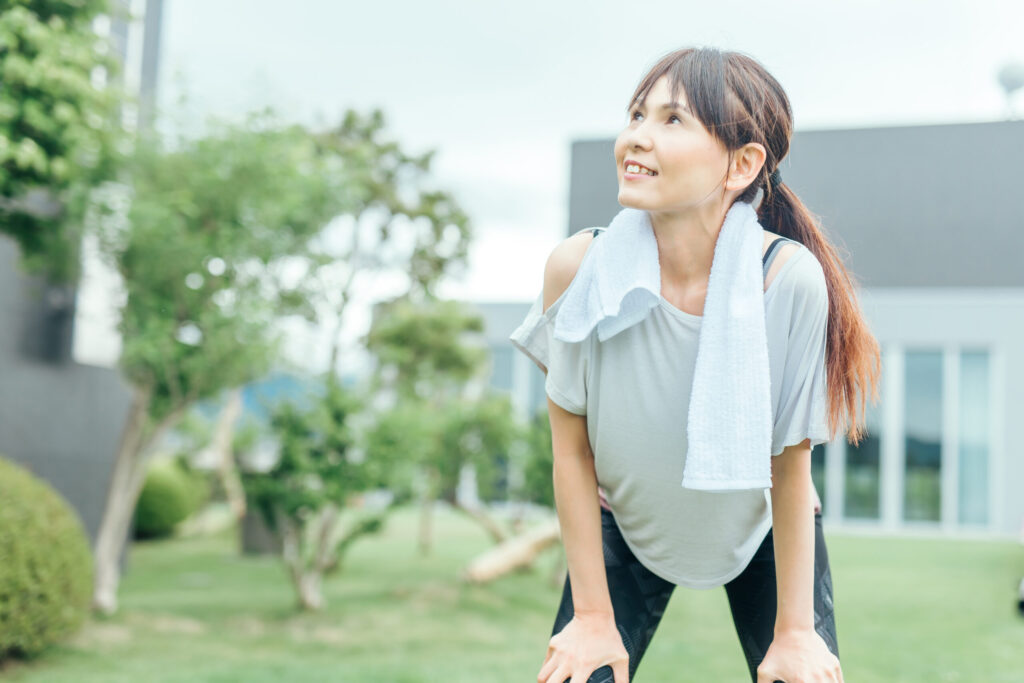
x=771 y=248
x=770 y=254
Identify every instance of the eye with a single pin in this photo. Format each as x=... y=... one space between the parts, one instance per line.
x=636 y=112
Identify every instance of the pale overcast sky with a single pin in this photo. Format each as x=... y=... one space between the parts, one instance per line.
x=501 y=89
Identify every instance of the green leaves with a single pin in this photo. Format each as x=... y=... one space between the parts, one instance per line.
x=207 y=225
x=59 y=134
x=425 y=345
x=317 y=465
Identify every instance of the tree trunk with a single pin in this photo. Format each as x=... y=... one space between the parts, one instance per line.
x=125 y=486
x=367 y=525
x=480 y=516
x=514 y=553
x=307 y=581
x=118 y=510
x=311 y=597
x=221 y=444
x=326 y=538
x=427 y=510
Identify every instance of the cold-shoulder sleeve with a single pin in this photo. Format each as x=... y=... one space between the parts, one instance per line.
x=799 y=313
x=564 y=363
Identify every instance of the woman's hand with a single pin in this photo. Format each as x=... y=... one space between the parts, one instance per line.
x=587 y=643
x=799 y=657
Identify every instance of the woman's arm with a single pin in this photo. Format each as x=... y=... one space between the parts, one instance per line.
x=579 y=511
x=797 y=652
x=591 y=639
x=574 y=477
x=793 y=503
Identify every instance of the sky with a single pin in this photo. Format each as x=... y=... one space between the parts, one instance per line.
x=501 y=89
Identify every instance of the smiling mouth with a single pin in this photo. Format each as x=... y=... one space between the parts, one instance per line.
x=638 y=170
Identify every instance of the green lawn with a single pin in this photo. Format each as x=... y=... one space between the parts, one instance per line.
x=194 y=610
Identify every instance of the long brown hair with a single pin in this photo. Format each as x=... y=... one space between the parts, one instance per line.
x=738 y=102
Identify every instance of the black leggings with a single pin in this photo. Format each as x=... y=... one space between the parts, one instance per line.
x=639 y=598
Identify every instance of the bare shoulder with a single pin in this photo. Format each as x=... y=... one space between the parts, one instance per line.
x=805 y=279
x=783 y=253
x=562 y=264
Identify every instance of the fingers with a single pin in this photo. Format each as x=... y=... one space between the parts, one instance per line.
x=560 y=675
x=546 y=669
x=621 y=672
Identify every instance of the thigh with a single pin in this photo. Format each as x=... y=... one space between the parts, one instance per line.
x=639 y=598
x=753 y=600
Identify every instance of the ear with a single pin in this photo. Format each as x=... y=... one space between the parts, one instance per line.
x=746 y=164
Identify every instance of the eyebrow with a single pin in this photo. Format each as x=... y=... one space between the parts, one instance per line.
x=675 y=106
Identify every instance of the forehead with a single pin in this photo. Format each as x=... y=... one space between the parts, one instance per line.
x=661 y=93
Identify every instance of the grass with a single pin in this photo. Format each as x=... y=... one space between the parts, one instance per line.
x=196 y=610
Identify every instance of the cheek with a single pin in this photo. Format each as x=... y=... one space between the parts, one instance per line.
x=619 y=150
x=693 y=159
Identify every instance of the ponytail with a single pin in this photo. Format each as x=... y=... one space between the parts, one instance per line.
x=852 y=357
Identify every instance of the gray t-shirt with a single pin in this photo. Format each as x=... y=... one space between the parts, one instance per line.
x=634 y=389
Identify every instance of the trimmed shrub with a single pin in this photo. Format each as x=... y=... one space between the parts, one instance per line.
x=46 y=568
x=165 y=500
x=200 y=483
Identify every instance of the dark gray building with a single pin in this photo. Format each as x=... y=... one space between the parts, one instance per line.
x=924 y=217
x=60 y=419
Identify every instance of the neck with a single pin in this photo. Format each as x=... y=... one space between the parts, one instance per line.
x=686 y=245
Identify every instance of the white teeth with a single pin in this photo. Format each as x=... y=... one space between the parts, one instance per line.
x=635 y=168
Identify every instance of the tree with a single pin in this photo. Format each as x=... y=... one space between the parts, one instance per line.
x=523 y=549
x=59 y=134
x=422 y=351
x=304 y=495
x=396 y=225
x=201 y=247
x=227 y=236
x=434 y=372
x=479 y=433
x=538 y=484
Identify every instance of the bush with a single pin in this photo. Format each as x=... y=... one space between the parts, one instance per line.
x=165 y=500
x=46 y=569
x=201 y=483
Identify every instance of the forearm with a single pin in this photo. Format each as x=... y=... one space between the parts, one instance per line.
x=792 y=497
x=579 y=515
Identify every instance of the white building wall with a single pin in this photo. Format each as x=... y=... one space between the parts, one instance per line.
x=951 y=319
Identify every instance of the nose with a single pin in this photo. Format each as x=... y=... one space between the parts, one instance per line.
x=637 y=138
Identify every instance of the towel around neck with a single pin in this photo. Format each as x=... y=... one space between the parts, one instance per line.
x=729 y=425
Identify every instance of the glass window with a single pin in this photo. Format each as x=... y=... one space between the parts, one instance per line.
x=501 y=368
x=974 y=437
x=923 y=435
x=863 y=467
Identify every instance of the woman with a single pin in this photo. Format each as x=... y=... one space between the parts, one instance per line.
x=705 y=129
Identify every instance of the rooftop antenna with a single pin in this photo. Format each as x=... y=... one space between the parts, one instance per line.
x=1011 y=78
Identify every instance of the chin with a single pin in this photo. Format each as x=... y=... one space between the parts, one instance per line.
x=631 y=201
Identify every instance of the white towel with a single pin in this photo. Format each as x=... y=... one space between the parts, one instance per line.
x=729 y=425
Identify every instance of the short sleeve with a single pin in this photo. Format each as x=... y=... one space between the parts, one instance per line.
x=801 y=410
x=565 y=363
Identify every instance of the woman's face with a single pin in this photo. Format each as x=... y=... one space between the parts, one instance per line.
x=690 y=164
